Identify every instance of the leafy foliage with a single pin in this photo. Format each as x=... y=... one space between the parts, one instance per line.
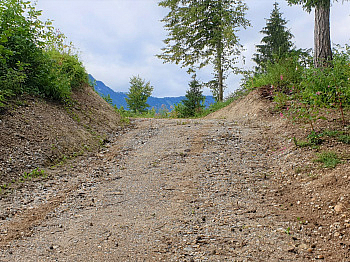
x=33 y=55
x=303 y=90
x=204 y=33
x=139 y=92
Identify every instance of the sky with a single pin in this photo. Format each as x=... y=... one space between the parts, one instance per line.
x=118 y=39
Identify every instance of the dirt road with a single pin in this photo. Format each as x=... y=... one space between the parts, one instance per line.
x=167 y=190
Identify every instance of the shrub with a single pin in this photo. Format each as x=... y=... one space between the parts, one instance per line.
x=33 y=56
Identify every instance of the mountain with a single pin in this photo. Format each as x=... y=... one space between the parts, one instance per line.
x=118 y=98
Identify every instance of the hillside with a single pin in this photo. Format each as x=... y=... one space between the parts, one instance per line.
x=315 y=196
x=36 y=133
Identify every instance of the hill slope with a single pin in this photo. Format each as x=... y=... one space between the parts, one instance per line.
x=36 y=133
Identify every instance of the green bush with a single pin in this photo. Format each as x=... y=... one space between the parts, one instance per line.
x=326 y=87
x=284 y=75
x=33 y=56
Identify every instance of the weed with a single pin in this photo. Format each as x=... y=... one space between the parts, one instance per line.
x=312 y=176
x=302 y=143
x=301 y=221
x=34 y=174
x=315 y=138
x=329 y=159
x=179 y=123
x=288 y=231
x=344 y=139
x=25 y=177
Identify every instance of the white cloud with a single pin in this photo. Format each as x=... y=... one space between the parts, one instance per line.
x=119 y=39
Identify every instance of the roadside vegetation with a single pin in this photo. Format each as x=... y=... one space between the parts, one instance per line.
x=309 y=92
x=35 y=58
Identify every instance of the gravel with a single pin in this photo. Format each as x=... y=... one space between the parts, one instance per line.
x=166 y=190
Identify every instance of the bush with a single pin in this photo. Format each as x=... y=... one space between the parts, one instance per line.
x=283 y=74
x=303 y=90
x=328 y=86
x=33 y=56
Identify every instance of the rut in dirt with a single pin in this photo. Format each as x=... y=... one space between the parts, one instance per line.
x=168 y=190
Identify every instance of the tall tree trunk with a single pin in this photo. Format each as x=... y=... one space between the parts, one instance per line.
x=322 y=38
x=220 y=72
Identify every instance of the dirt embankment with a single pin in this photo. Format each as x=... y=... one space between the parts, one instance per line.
x=35 y=133
x=316 y=197
x=232 y=187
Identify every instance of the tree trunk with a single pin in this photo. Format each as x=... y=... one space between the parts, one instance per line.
x=219 y=65
x=322 y=39
x=220 y=74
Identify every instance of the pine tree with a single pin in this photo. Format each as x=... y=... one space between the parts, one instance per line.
x=277 y=40
x=194 y=99
x=322 y=37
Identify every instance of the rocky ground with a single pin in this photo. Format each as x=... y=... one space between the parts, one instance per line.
x=220 y=189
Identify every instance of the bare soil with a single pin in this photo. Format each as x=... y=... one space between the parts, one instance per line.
x=37 y=133
x=231 y=187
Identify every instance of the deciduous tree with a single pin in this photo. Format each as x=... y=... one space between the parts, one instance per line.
x=139 y=92
x=204 y=32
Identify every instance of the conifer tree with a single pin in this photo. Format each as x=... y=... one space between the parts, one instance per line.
x=194 y=101
x=277 y=40
x=322 y=36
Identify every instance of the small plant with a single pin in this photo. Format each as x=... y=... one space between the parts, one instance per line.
x=108 y=99
x=329 y=159
x=33 y=174
x=288 y=231
x=301 y=143
x=163 y=112
x=315 y=138
x=344 y=138
x=25 y=177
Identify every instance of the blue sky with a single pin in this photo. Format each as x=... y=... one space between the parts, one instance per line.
x=118 y=39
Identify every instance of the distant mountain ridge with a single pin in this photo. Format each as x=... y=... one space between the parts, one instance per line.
x=118 y=98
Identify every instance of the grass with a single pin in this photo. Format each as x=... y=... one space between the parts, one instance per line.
x=314 y=139
x=328 y=159
x=25 y=177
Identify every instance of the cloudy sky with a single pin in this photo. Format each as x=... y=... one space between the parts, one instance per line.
x=118 y=39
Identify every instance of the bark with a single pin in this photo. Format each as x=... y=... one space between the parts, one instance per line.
x=322 y=39
x=220 y=72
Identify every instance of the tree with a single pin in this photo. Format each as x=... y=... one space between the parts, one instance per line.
x=204 y=33
x=322 y=40
x=194 y=101
x=139 y=92
x=277 y=40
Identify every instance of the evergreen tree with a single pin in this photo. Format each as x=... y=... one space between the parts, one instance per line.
x=322 y=37
x=194 y=101
x=204 y=33
x=277 y=40
x=139 y=92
